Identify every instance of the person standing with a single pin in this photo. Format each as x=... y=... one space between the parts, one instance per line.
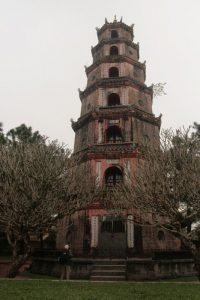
x=65 y=261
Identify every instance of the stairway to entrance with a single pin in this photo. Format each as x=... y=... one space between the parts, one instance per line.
x=109 y=270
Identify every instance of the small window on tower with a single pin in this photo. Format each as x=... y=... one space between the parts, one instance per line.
x=161 y=235
x=141 y=102
x=114 y=50
x=113 y=99
x=113 y=134
x=113 y=72
x=114 y=34
x=113 y=176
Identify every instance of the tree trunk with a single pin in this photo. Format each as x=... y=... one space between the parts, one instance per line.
x=20 y=252
x=17 y=263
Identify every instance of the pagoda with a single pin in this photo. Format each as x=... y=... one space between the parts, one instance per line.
x=116 y=117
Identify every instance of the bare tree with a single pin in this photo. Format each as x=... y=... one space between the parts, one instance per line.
x=167 y=185
x=38 y=185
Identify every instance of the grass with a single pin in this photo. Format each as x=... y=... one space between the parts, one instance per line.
x=62 y=290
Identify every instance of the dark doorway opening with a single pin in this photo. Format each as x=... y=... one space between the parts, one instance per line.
x=113 y=99
x=112 y=240
x=114 y=34
x=113 y=72
x=113 y=176
x=113 y=134
x=114 y=50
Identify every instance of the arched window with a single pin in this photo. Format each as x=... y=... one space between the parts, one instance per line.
x=161 y=235
x=113 y=175
x=113 y=134
x=114 y=50
x=113 y=72
x=113 y=99
x=114 y=34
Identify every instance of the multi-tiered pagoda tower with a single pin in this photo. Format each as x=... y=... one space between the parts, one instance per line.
x=116 y=116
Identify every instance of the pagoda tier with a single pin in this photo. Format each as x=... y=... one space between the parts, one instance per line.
x=116 y=103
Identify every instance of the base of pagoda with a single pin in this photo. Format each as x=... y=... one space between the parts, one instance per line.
x=133 y=268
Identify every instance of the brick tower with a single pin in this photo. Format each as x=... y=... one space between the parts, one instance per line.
x=116 y=116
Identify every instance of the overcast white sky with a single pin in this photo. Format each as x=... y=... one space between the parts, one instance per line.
x=44 y=45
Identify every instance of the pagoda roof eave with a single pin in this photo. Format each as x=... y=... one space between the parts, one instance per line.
x=119 y=111
x=115 y=58
x=109 y=151
x=114 y=41
x=113 y=25
x=113 y=82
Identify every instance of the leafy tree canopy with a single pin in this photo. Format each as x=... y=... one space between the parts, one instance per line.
x=21 y=134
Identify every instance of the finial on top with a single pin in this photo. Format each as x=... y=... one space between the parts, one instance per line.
x=132 y=25
x=106 y=21
x=115 y=18
x=121 y=20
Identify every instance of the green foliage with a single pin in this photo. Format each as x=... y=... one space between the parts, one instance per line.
x=197 y=129
x=24 y=134
x=21 y=134
x=2 y=136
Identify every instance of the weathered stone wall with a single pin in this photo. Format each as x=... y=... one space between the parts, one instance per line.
x=84 y=137
x=141 y=269
x=155 y=239
x=144 y=132
x=122 y=33
x=136 y=269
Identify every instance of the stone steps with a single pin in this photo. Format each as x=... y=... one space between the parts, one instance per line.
x=109 y=267
x=109 y=270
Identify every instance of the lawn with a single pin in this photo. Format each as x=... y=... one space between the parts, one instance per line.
x=54 y=290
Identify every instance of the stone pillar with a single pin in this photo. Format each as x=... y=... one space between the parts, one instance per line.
x=98 y=172
x=127 y=171
x=100 y=136
x=130 y=232
x=94 y=231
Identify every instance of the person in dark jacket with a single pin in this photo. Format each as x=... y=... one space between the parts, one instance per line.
x=65 y=262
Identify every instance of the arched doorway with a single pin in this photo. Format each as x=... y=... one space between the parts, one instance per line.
x=112 y=239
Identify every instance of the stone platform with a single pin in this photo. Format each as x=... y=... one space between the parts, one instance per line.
x=117 y=269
